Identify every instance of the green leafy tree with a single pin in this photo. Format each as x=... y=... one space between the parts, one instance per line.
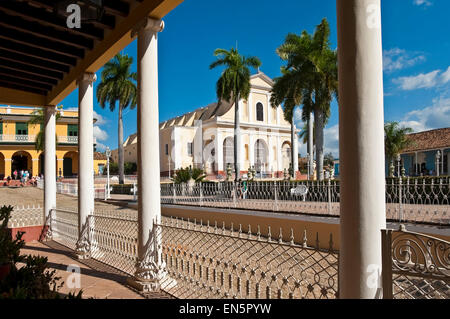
x=310 y=76
x=328 y=160
x=118 y=86
x=234 y=83
x=184 y=175
x=285 y=91
x=38 y=118
x=31 y=279
x=395 y=139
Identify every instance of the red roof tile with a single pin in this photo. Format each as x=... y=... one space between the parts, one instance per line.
x=429 y=140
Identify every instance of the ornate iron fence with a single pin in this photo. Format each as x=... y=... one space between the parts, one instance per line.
x=63 y=227
x=114 y=241
x=415 y=266
x=24 y=216
x=205 y=261
x=403 y=202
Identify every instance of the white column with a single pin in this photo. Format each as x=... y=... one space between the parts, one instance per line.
x=49 y=163
x=269 y=109
x=361 y=142
x=442 y=162
x=85 y=161
x=150 y=269
x=250 y=108
x=251 y=148
x=279 y=155
x=416 y=168
x=278 y=115
x=218 y=142
x=295 y=150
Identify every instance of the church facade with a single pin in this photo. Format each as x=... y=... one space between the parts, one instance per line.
x=204 y=138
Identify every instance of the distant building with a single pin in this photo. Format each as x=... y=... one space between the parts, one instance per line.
x=420 y=157
x=204 y=137
x=17 y=143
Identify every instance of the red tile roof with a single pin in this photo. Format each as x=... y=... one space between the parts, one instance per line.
x=429 y=140
x=99 y=156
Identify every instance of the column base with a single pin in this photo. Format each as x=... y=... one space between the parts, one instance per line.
x=81 y=255
x=152 y=285
x=144 y=286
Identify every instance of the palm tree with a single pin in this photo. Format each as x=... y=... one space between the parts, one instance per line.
x=395 y=139
x=118 y=85
x=304 y=134
x=38 y=118
x=234 y=83
x=313 y=68
x=284 y=91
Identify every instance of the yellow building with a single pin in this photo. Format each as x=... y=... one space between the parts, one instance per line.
x=17 y=143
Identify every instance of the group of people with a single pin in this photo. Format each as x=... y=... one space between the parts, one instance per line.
x=23 y=176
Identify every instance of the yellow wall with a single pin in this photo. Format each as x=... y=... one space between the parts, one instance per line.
x=96 y=164
x=7 y=151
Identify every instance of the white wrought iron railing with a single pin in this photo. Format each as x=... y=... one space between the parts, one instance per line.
x=427 y=205
x=68 y=139
x=26 y=216
x=8 y=138
x=71 y=189
x=208 y=261
x=63 y=227
x=211 y=260
x=415 y=266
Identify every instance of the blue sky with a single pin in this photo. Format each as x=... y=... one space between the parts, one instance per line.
x=416 y=46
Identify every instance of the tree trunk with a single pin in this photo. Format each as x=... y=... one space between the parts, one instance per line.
x=310 y=144
x=318 y=122
x=292 y=146
x=237 y=139
x=120 y=142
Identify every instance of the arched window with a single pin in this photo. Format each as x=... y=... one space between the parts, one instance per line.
x=259 y=112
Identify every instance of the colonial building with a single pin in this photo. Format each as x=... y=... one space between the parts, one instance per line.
x=204 y=137
x=420 y=158
x=17 y=143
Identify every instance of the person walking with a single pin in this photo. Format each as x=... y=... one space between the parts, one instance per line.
x=15 y=174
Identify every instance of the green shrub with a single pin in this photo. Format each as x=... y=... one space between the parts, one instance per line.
x=128 y=168
x=183 y=175
x=32 y=280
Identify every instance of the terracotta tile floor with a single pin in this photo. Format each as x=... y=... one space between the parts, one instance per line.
x=97 y=280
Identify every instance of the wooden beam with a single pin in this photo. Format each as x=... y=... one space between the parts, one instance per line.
x=27 y=76
x=19 y=87
x=36 y=53
x=50 y=33
x=107 y=21
x=27 y=60
x=27 y=83
x=113 y=43
x=15 y=96
x=40 y=43
x=49 y=19
x=30 y=69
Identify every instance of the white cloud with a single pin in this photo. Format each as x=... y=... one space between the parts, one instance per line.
x=100 y=147
x=424 y=80
x=423 y=2
x=435 y=116
x=100 y=119
x=100 y=134
x=331 y=137
x=398 y=59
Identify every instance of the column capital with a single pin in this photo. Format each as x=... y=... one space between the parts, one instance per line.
x=87 y=77
x=155 y=25
x=50 y=109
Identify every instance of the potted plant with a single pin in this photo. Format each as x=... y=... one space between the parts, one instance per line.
x=9 y=247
